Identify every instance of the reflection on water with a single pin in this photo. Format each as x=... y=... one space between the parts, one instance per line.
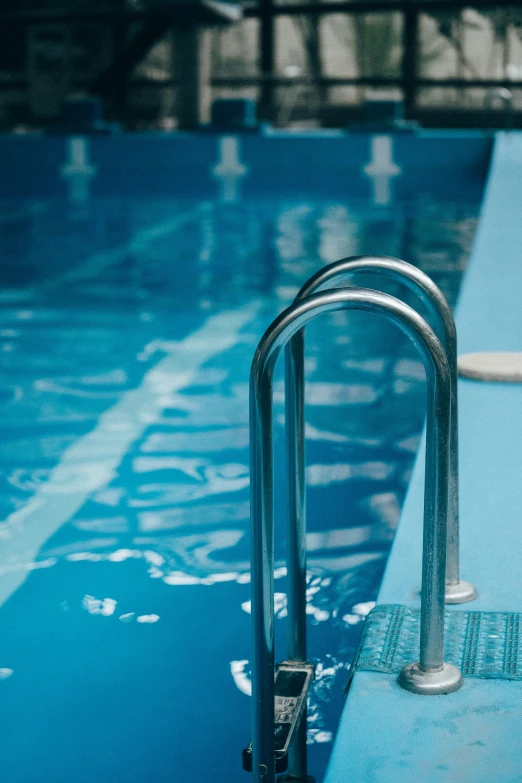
x=126 y=335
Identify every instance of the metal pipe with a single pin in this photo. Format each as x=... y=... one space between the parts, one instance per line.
x=296 y=537
x=457 y=590
x=431 y=674
x=296 y=480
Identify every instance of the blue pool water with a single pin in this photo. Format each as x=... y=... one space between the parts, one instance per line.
x=127 y=327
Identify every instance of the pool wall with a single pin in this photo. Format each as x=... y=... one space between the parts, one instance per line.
x=211 y=165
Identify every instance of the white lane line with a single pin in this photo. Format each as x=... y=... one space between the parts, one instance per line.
x=94 y=265
x=141 y=241
x=90 y=463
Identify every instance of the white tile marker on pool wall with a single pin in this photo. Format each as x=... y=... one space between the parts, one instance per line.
x=229 y=170
x=382 y=169
x=78 y=171
x=90 y=463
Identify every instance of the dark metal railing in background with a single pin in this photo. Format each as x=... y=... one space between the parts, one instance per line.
x=408 y=79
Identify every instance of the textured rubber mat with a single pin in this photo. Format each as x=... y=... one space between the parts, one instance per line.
x=481 y=644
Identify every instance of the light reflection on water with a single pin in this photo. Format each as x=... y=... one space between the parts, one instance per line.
x=138 y=597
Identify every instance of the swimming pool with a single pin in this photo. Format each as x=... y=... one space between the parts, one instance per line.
x=127 y=326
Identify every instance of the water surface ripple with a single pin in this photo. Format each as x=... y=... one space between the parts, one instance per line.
x=126 y=335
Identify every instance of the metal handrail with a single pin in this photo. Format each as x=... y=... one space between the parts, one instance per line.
x=457 y=591
x=430 y=674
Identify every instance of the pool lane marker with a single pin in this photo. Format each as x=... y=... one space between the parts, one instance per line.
x=229 y=171
x=143 y=238
x=94 y=265
x=91 y=462
x=78 y=171
x=382 y=169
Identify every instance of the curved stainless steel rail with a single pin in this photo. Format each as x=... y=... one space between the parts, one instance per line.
x=457 y=590
x=430 y=674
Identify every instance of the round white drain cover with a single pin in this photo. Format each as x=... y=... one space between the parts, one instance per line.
x=502 y=367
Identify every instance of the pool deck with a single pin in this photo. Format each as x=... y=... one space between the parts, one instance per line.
x=387 y=734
